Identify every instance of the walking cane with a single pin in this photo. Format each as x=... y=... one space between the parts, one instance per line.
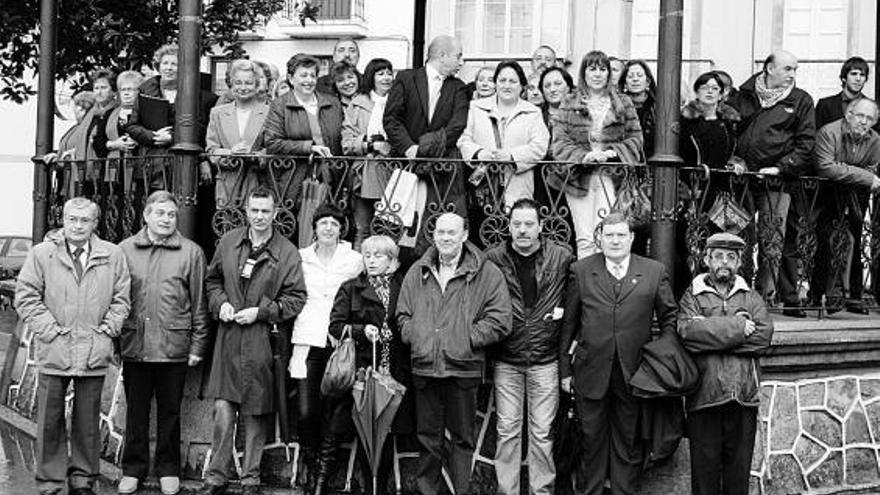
x=372 y=412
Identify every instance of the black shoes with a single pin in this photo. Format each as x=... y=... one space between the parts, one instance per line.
x=857 y=307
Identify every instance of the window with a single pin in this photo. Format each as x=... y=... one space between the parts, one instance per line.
x=509 y=28
x=19 y=247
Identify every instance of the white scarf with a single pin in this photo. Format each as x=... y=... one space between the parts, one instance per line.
x=375 y=125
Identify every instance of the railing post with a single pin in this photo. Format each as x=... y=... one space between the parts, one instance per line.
x=666 y=159
x=45 y=117
x=419 y=20
x=186 y=128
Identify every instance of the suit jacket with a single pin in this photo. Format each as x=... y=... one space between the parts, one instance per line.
x=406 y=115
x=604 y=324
x=223 y=131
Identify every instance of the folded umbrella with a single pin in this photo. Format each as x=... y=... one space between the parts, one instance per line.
x=279 y=368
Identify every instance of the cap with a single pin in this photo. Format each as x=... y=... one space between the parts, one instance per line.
x=725 y=241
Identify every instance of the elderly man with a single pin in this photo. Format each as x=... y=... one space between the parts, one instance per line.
x=452 y=304
x=345 y=50
x=611 y=300
x=543 y=58
x=255 y=281
x=72 y=294
x=425 y=115
x=526 y=364
x=776 y=139
x=847 y=152
x=725 y=325
x=167 y=330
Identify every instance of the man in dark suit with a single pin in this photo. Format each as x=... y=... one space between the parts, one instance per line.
x=611 y=302
x=424 y=117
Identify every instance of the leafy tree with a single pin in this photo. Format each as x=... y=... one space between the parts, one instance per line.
x=112 y=33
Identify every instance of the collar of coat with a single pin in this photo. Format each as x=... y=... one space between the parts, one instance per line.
x=490 y=105
x=290 y=100
x=471 y=261
x=362 y=100
x=273 y=248
x=575 y=102
x=693 y=110
x=701 y=285
x=142 y=240
x=98 y=248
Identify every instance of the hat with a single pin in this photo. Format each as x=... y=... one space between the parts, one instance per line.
x=725 y=241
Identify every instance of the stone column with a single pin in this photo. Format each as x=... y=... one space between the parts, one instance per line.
x=45 y=116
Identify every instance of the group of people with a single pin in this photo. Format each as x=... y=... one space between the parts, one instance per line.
x=539 y=316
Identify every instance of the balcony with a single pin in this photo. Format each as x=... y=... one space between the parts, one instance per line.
x=336 y=18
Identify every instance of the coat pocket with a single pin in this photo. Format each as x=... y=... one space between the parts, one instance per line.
x=175 y=343
x=101 y=351
x=55 y=354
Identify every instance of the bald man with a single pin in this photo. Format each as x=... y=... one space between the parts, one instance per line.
x=424 y=117
x=847 y=152
x=776 y=139
x=452 y=304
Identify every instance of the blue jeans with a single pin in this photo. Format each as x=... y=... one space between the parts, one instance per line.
x=538 y=385
x=255 y=430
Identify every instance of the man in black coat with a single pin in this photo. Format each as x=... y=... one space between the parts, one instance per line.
x=424 y=117
x=611 y=301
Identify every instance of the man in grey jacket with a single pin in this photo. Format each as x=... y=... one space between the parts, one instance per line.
x=166 y=330
x=453 y=303
x=725 y=325
x=72 y=294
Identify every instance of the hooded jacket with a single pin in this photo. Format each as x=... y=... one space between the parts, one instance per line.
x=711 y=328
x=448 y=330
x=535 y=336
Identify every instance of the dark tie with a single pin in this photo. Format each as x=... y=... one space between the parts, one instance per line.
x=77 y=262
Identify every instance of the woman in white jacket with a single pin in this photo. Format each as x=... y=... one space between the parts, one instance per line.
x=326 y=263
x=505 y=127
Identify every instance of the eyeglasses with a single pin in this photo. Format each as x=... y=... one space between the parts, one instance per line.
x=721 y=257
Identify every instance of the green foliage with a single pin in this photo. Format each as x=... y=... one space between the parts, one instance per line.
x=112 y=33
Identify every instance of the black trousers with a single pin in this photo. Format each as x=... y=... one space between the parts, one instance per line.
x=722 y=439
x=143 y=381
x=445 y=404
x=320 y=415
x=610 y=427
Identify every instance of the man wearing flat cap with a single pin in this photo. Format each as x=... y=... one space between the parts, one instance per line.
x=725 y=325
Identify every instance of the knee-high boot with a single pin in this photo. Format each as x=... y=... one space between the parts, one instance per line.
x=326 y=453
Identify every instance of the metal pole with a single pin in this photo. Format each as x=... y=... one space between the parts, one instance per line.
x=419 y=33
x=666 y=159
x=186 y=128
x=877 y=52
x=45 y=117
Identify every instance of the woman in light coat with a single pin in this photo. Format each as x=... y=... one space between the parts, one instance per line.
x=521 y=137
x=364 y=135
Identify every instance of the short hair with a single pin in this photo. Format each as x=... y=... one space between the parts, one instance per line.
x=728 y=81
x=512 y=64
x=263 y=193
x=595 y=58
x=129 y=76
x=439 y=44
x=346 y=40
x=382 y=244
x=709 y=76
x=85 y=99
x=81 y=203
x=614 y=218
x=328 y=210
x=160 y=197
x=374 y=66
x=565 y=76
x=339 y=69
x=243 y=65
x=767 y=61
x=301 y=60
x=526 y=204
x=858 y=101
x=652 y=83
x=484 y=68
x=106 y=74
x=854 y=63
x=163 y=51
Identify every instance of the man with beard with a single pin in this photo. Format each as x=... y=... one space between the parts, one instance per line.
x=847 y=151
x=725 y=326
x=853 y=77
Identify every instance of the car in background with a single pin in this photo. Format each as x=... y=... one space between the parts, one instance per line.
x=13 y=251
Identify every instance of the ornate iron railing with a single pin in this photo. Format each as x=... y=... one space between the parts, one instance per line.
x=709 y=201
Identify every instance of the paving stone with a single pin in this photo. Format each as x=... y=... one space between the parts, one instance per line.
x=841 y=395
x=783 y=431
x=785 y=476
x=811 y=394
x=764 y=406
x=823 y=427
x=870 y=388
x=755 y=486
x=856 y=427
x=861 y=466
x=873 y=413
x=828 y=474
x=808 y=451
x=760 y=446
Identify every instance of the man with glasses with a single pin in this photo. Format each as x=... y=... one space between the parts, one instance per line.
x=725 y=326
x=847 y=152
x=611 y=300
x=72 y=294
